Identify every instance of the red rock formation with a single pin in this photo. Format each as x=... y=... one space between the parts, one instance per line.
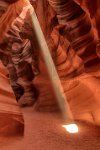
x=11 y=119
x=81 y=97
x=69 y=60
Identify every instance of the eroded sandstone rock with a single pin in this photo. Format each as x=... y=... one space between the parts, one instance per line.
x=11 y=119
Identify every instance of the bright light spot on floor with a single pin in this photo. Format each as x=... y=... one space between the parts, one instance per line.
x=71 y=128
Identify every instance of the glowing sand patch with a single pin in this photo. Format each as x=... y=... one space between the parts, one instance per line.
x=71 y=128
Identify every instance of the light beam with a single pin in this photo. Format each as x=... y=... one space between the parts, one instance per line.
x=53 y=75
